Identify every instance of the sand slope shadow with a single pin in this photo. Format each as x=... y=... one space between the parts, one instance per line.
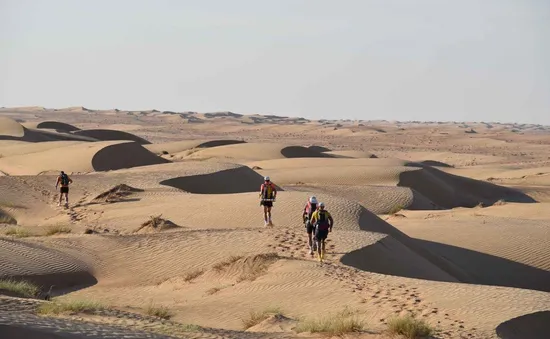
x=391 y=257
x=17 y=332
x=58 y=126
x=449 y=190
x=303 y=152
x=12 y=130
x=237 y=180
x=124 y=155
x=530 y=326
x=486 y=269
x=216 y=143
x=435 y=163
x=320 y=149
x=108 y=135
x=43 y=266
x=400 y=255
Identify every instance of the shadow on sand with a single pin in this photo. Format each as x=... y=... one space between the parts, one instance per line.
x=450 y=191
x=401 y=255
x=235 y=180
x=461 y=265
x=530 y=326
x=18 y=332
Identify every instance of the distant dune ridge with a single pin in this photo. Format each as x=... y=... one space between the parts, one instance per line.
x=82 y=157
x=429 y=220
x=104 y=135
x=55 y=125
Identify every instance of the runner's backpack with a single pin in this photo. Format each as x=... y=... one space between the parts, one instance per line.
x=64 y=179
x=322 y=223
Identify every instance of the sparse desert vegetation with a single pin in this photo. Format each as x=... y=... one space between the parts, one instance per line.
x=19 y=288
x=57 y=307
x=162 y=312
x=410 y=327
x=190 y=276
x=223 y=264
x=18 y=232
x=256 y=317
x=173 y=216
x=338 y=324
x=57 y=229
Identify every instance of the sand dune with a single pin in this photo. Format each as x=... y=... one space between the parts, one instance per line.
x=241 y=210
x=97 y=156
x=106 y=135
x=463 y=191
x=319 y=148
x=12 y=130
x=446 y=159
x=351 y=154
x=413 y=232
x=426 y=183
x=42 y=265
x=237 y=180
x=14 y=147
x=377 y=199
x=119 y=261
x=55 y=125
x=180 y=146
x=254 y=151
x=493 y=249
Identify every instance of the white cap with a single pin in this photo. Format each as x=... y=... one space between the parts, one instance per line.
x=266 y=178
x=322 y=204
x=313 y=200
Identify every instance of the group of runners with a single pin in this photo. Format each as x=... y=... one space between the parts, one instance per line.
x=317 y=220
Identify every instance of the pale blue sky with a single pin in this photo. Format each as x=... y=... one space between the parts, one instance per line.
x=481 y=60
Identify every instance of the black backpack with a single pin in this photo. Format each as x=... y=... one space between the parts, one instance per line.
x=323 y=222
x=64 y=179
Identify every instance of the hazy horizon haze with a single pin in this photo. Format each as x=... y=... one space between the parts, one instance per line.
x=425 y=60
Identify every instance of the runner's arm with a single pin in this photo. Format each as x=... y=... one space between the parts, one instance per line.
x=331 y=222
x=70 y=180
x=57 y=182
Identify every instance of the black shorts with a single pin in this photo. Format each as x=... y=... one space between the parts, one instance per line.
x=309 y=227
x=321 y=234
x=64 y=189
x=266 y=203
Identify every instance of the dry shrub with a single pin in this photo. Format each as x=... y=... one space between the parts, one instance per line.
x=256 y=317
x=57 y=229
x=18 y=232
x=116 y=194
x=409 y=327
x=155 y=224
x=19 y=288
x=158 y=311
x=339 y=324
x=223 y=264
x=70 y=307
x=193 y=275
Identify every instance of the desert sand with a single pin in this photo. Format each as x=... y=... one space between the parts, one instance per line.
x=449 y=222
